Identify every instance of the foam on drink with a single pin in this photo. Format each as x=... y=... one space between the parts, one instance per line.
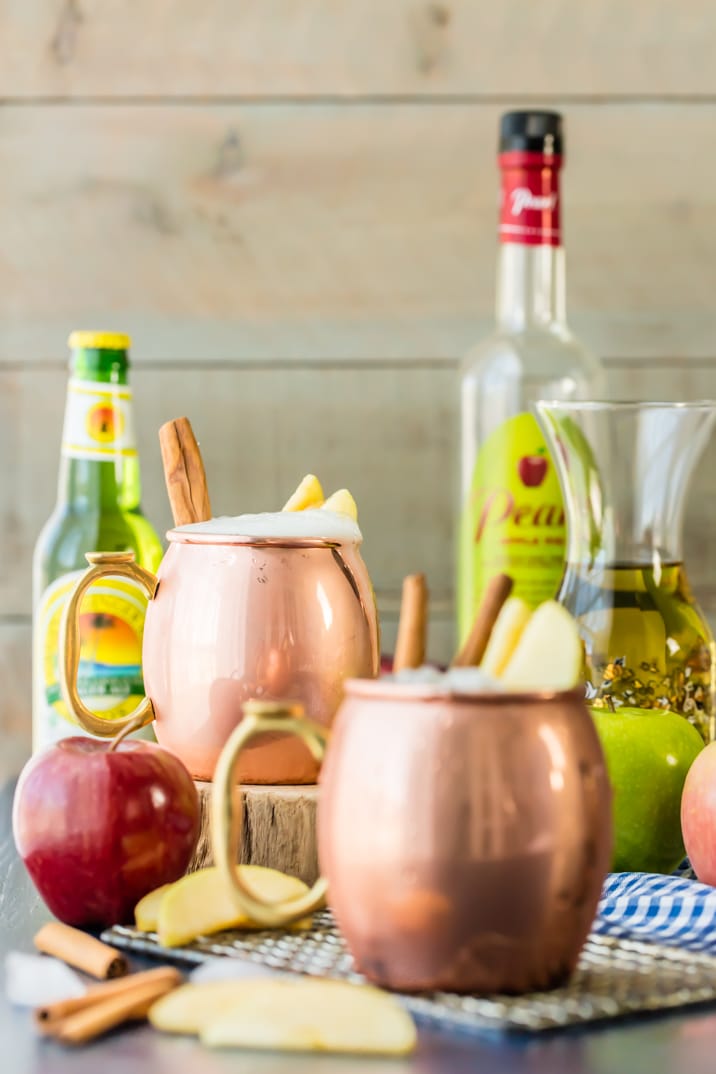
x=316 y=524
x=466 y=680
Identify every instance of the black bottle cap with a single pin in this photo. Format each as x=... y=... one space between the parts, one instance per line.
x=531 y=132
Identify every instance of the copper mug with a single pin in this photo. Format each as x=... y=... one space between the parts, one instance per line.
x=232 y=618
x=463 y=838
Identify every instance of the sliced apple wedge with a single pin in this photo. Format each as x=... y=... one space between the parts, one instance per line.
x=193 y=1006
x=342 y=503
x=549 y=653
x=304 y=1015
x=514 y=616
x=146 y=912
x=202 y=902
x=308 y=494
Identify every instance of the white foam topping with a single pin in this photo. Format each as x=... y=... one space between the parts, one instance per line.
x=453 y=681
x=316 y=524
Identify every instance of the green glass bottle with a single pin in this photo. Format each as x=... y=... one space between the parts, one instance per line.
x=98 y=509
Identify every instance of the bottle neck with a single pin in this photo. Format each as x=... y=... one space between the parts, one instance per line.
x=530 y=287
x=99 y=468
x=531 y=277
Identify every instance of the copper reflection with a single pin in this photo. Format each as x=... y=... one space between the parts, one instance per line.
x=465 y=839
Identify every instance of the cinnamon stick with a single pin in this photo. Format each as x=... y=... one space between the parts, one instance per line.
x=184 y=473
x=107 y=1012
x=78 y=949
x=46 y=1018
x=497 y=591
x=412 y=625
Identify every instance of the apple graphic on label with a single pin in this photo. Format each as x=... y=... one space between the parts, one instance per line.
x=102 y=423
x=648 y=753
x=532 y=470
x=99 y=824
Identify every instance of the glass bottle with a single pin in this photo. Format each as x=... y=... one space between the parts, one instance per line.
x=625 y=470
x=98 y=509
x=512 y=517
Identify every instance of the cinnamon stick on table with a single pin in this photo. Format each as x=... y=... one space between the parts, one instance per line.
x=497 y=591
x=106 y=1006
x=78 y=949
x=46 y=1018
x=412 y=625
x=184 y=473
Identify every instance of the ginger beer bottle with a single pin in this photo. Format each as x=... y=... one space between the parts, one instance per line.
x=98 y=509
x=512 y=518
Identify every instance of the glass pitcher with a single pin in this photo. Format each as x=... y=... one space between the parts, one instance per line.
x=624 y=469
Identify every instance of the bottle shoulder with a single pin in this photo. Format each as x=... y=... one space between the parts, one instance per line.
x=536 y=356
x=69 y=533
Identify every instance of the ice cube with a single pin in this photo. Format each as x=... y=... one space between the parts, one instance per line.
x=36 y=980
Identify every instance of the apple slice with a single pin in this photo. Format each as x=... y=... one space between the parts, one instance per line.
x=195 y=1005
x=146 y=912
x=202 y=902
x=549 y=653
x=514 y=616
x=308 y=494
x=302 y=1015
x=342 y=503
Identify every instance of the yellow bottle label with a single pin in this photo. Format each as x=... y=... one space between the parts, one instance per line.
x=98 y=421
x=513 y=521
x=110 y=672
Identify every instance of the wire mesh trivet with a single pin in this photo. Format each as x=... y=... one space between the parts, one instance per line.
x=614 y=978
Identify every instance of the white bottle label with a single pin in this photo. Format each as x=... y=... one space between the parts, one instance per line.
x=110 y=672
x=98 y=421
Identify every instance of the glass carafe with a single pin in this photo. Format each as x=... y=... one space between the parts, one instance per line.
x=625 y=469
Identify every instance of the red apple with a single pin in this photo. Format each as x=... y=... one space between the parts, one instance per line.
x=97 y=828
x=698 y=815
x=532 y=470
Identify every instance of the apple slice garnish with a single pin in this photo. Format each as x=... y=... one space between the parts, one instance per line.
x=202 y=903
x=514 y=616
x=308 y=494
x=342 y=503
x=548 y=655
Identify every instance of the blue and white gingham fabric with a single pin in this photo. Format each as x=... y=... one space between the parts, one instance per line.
x=672 y=910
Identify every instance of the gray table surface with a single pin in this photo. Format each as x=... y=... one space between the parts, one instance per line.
x=674 y=1044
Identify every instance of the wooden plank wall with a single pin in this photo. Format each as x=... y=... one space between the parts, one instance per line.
x=291 y=206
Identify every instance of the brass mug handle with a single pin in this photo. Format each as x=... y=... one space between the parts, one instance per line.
x=102 y=564
x=226 y=824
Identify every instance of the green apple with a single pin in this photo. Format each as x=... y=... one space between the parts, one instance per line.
x=648 y=754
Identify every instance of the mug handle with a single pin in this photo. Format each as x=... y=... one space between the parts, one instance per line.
x=226 y=825
x=102 y=564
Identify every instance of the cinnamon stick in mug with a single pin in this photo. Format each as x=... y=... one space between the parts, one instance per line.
x=184 y=473
x=496 y=593
x=78 y=949
x=412 y=625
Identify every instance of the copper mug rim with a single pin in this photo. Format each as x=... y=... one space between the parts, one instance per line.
x=384 y=690
x=178 y=536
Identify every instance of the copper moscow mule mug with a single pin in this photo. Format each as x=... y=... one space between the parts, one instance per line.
x=231 y=618
x=463 y=838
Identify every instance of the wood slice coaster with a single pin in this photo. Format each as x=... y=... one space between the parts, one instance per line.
x=279 y=829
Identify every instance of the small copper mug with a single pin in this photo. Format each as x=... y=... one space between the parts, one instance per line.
x=463 y=838
x=232 y=618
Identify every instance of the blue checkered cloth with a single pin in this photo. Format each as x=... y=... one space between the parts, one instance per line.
x=672 y=910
